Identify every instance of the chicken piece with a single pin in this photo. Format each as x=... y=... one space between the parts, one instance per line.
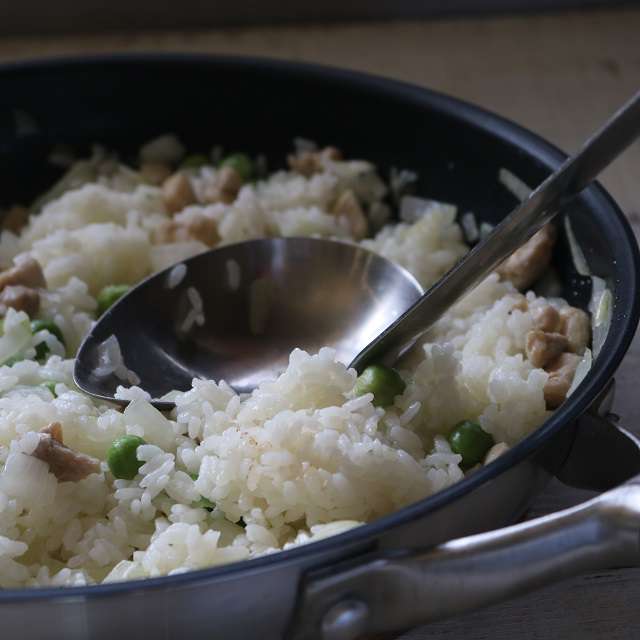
x=154 y=172
x=225 y=187
x=576 y=326
x=169 y=231
x=15 y=219
x=347 y=206
x=307 y=163
x=561 y=372
x=177 y=193
x=520 y=304
x=28 y=274
x=546 y=318
x=64 y=463
x=542 y=347
x=204 y=229
x=20 y=298
x=54 y=429
x=198 y=227
x=529 y=262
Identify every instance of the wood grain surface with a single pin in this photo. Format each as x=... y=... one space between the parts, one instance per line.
x=559 y=75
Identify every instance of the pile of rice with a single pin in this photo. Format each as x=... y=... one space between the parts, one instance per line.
x=298 y=459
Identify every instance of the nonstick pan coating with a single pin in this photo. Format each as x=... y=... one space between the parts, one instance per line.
x=260 y=106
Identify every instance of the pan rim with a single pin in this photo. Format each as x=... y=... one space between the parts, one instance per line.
x=532 y=145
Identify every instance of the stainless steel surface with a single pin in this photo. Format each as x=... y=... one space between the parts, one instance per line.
x=262 y=299
x=345 y=620
x=542 y=205
x=397 y=590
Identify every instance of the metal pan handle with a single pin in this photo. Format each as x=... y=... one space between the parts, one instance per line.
x=387 y=592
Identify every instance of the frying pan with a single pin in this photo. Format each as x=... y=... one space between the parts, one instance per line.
x=399 y=570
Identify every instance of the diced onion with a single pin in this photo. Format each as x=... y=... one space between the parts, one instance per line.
x=412 y=208
x=518 y=188
x=577 y=255
x=584 y=366
x=470 y=227
x=485 y=230
x=600 y=307
x=17 y=335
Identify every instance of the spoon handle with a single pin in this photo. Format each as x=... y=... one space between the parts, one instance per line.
x=542 y=205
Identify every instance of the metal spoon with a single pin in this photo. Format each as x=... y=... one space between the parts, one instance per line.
x=262 y=298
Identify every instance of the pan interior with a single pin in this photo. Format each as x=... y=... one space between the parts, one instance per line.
x=456 y=152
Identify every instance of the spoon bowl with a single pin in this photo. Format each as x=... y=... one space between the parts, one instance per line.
x=235 y=314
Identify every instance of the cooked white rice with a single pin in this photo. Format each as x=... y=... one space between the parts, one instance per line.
x=298 y=459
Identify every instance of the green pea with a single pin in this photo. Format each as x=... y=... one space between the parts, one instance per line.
x=110 y=295
x=204 y=503
x=121 y=457
x=47 y=325
x=241 y=163
x=471 y=441
x=42 y=349
x=51 y=386
x=194 y=161
x=385 y=384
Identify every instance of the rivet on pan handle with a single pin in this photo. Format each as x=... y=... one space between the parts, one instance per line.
x=389 y=592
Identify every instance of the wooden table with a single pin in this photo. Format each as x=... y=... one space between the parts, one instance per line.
x=559 y=75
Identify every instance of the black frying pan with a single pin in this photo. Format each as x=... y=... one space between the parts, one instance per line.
x=376 y=577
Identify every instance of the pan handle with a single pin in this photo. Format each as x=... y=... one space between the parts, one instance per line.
x=390 y=591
